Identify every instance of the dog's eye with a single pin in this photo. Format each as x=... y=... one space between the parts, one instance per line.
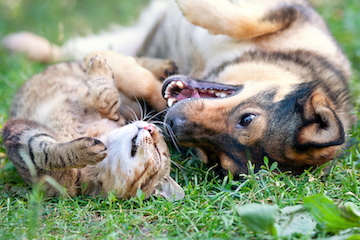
x=246 y=120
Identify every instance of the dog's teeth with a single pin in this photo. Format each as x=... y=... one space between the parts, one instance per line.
x=211 y=91
x=171 y=101
x=180 y=84
x=168 y=88
x=221 y=94
x=166 y=95
x=171 y=85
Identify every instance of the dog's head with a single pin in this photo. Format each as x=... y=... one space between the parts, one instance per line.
x=289 y=120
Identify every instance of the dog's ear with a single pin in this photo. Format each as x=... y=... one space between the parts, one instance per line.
x=321 y=126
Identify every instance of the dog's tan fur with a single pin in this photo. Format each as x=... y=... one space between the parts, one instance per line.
x=289 y=74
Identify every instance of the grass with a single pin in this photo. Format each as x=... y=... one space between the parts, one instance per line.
x=208 y=210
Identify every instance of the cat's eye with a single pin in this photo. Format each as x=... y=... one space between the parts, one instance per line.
x=133 y=146
x=245 y=120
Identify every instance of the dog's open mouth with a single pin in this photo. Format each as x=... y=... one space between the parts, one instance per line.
x=178 y=88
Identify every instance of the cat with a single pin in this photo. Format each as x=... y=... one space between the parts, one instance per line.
x=66 y=123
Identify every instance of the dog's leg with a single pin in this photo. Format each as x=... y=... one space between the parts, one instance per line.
x=37 y=48
x=133 y=80
x=161 y=68
x=244 y=20
x=125 y=40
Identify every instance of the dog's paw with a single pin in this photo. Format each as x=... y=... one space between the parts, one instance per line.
x=35 y=47
x=89 y=151
x=187 y=8
x=215 y=16
x=167 y=69
x=184 y=6
x=98 y=68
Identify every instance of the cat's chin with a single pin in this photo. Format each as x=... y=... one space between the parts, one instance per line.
x=133 y=145
x=138 y=158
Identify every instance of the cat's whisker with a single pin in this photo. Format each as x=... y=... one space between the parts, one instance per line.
x=159 y=125
x=142 y=108
x=124 y=182
x=172 y=136
x=157 y=114
x=134 y=117
x=177 y=165
x=156 y=161
x=144 y=112
x=149 y=115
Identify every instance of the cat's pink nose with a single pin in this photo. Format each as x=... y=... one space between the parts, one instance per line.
x=150 y=128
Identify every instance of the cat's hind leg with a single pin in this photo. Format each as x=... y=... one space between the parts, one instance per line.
x=135 y=81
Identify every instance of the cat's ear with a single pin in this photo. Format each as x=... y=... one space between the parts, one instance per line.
x=170 y=190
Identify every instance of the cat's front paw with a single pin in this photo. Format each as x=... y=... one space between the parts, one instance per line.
x=89 y=151
x=98 y=68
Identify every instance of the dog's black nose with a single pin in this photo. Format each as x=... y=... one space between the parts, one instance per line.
x=175 y=121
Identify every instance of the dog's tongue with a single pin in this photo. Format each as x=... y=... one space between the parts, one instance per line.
x=188 y=93
x=195 y=94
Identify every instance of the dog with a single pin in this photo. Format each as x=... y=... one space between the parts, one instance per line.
x=258 y=78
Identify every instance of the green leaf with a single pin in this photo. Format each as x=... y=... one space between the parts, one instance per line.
x=230 y=177
x=259 y=217
x=140 y=195
x=273 y=166
x=55 y=184
x=354 y=237
x=343 y=237
x=350 y=211
x=295 y=219
x=266 y=162
x=327 y=214
x=9 y=166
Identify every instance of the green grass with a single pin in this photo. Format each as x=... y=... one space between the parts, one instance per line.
x=208 y=210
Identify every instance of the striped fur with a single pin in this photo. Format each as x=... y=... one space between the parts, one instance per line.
x=66 y=123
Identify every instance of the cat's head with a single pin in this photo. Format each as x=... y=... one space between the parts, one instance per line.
x=138 y=158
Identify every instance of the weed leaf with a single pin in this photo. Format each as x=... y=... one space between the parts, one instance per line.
x=259 y=217
x=295 y=219
x=329 y=215
x=350 y=211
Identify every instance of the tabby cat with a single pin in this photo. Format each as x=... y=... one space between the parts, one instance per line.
x=66 y=123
